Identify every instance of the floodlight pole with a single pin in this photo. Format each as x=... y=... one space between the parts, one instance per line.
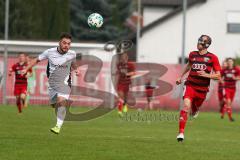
x=184 y=32
x=5 y=70
x=138 y=26
x=183 y=47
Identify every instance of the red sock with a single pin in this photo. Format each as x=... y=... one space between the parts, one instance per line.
x=120 y=106
x=229 y=111
x=19 y=105
x=221 y=107
x=223 y=110
x=194 y=109
x=182 y=120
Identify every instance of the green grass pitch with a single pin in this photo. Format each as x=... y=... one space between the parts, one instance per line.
x=27 y=137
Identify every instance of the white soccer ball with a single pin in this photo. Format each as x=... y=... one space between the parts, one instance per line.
x=95 y=20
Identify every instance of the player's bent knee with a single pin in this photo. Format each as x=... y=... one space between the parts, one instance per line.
x=22 y=96
x=61 y=101
x=186 y=108
x=186 y=104
x=229 y=101
x=121 y=94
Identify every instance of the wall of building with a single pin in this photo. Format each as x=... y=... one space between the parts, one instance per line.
x=163 y=43
x=151 y=14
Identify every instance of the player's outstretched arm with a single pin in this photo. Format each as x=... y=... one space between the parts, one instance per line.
x=29 y=74
x=75 y=67
x=10 y=72
x=216 y=75
x=31 y=64
x=186 y=69
x=237 y=78
x=221 y=80
x=131 y=74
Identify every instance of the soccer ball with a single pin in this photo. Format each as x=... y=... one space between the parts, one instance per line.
x=95 y=20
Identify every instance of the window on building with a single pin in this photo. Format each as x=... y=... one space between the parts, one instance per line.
x=180 y=60
x=233 y=22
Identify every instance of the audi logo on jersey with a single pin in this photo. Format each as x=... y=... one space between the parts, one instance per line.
x=201 y=67
x=229 y=75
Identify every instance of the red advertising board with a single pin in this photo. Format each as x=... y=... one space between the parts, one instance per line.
x=170 y=100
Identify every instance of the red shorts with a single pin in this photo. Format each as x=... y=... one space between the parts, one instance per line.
x=220 y=95
x=230 y=93
x=18 y=90
x=196 y=97
x=149 y=92
x=123 y=88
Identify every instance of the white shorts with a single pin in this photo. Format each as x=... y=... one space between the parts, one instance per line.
x=53 y=94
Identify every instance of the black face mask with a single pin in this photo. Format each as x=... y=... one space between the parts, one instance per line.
x=203 y=42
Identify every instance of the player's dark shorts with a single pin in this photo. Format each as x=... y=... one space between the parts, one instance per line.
x=230 y=93
x=149 y=92
x=220 y=94
x=197 y=97
x=18 y=90
x=123 y=88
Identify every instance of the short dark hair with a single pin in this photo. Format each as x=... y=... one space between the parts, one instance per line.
x=25 y=54
x=65 y=35
x=229 y=58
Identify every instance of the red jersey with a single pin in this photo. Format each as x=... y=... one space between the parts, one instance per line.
x=220 y=87
x=208 y=63
x=227 y=75
x=123 y=69
x=20 y=80
x=149 y=86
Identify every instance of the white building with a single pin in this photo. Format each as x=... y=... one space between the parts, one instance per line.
x=161 y=36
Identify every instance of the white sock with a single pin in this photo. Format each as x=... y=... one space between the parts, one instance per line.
x=61 y=113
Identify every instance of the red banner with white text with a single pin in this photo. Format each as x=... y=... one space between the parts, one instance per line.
x=171 y=100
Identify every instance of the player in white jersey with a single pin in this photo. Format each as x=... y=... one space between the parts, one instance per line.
x=61 y=59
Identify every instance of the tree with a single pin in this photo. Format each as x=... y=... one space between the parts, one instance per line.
x=51 y=19
x=46 y=19
x=38 y=20
x=237 y=60
x=114 y=12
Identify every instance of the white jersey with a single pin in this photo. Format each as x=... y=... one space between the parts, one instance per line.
x=59 y=68
x=56 y=59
